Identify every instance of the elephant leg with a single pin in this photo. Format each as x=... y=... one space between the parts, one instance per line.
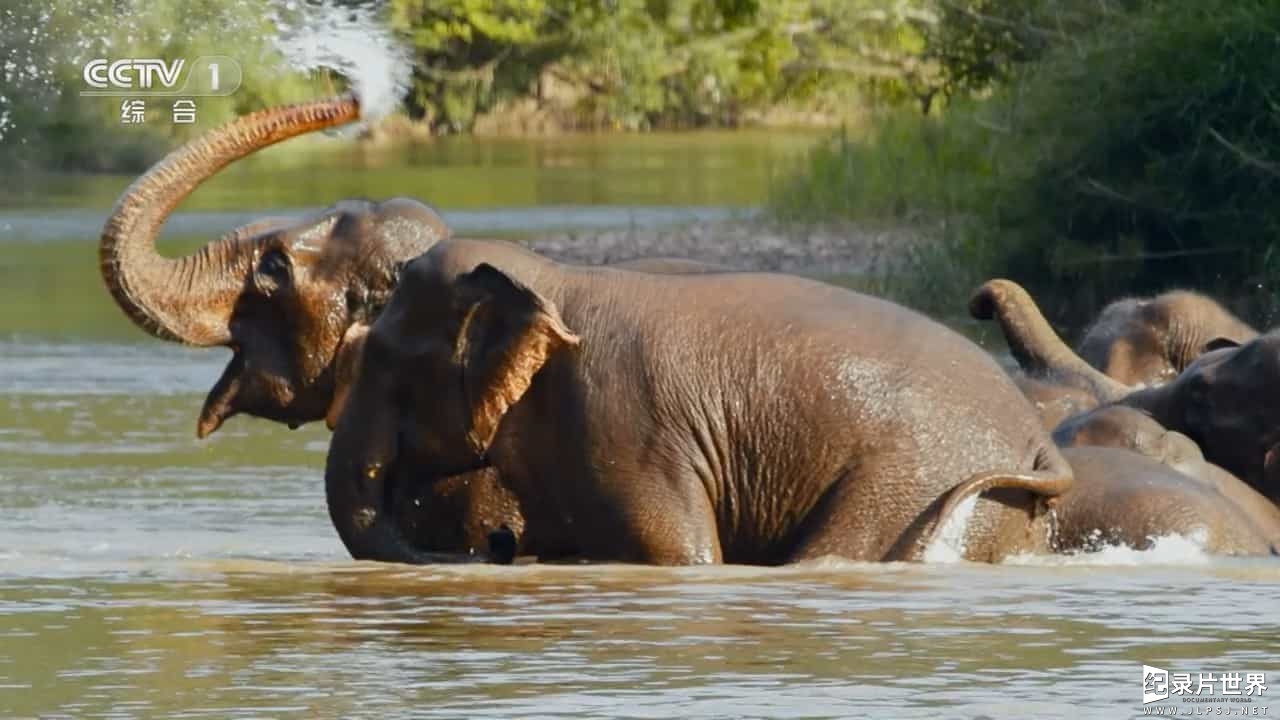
x=663 y=521
x=847 y=521
x=867 y=514
x=867 y=518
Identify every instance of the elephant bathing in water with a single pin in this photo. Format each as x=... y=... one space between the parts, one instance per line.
x=288 y=296
x=1149 y=341
x=607 y=400
x=1220 y=404
x=1120 y=497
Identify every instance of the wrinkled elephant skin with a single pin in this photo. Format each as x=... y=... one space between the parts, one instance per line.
x=672 y=419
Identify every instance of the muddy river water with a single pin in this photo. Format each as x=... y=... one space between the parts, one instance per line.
x=144 y=573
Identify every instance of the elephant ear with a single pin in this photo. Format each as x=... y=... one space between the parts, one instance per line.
x=1271 y=474
x=345 y=368
x=508 y=333
x=1179 y=450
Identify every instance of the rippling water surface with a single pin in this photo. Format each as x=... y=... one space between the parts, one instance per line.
x=143 y=573
x=146 y=574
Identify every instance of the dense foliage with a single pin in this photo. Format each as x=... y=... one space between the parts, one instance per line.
x=629 y=64
x=1151 y=154
x=643 y=63
x=1142 y=154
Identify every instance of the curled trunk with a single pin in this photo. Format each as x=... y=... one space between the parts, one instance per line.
x=190 y=299
x=1033 y=342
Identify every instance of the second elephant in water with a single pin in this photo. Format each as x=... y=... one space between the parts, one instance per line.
x=737 y=417
x=1222 y=401
x=1148 y=341
x=1122 y=498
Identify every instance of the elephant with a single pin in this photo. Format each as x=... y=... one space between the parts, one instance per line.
x=280 y=293
x=1056 y=381
x=1122 y=426
x=838 y=424
x=1148 y=341
x=1035 y=345
x=288 y=296
x=1218 y=400
x=1054 y=401
x=1120 y=497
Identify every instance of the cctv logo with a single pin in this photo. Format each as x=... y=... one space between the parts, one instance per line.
x=207 y=75
x=132 y=74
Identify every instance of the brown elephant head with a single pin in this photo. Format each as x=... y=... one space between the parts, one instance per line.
x=1128 y=428
x=281 y=294
x=1224 y=401
x=453 y=351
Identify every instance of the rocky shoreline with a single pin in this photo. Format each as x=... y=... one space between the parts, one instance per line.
x=746 y=244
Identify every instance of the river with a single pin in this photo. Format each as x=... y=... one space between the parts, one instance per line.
x=144 y=573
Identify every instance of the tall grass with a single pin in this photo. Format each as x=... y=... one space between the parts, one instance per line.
x=1143 y=156
x=899 y=166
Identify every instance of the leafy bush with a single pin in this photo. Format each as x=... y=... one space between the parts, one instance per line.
x=1149 y=156
x=1141 y=156
x=645 y=63
x=979 y=44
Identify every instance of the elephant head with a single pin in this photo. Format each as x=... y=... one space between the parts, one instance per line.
x=1149 y=341
x=282 y=294
x=1128 y=428
x=1223 y=402
x=452 y=352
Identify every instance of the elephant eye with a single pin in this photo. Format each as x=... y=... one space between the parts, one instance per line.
x=274 y=266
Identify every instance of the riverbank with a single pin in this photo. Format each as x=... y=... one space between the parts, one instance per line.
x=531 y=118
x=745 y=243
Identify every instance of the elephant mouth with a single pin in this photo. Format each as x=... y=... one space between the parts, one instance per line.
x=222 y=402
x=240 y=390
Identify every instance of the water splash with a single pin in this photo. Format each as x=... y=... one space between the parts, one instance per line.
x=948 y=544
x=40 y=60
x=25 y=71
x=1174 y=549
x=352 y=40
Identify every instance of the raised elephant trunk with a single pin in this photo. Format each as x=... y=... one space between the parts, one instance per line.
x=1033 y=342
x=190 y=299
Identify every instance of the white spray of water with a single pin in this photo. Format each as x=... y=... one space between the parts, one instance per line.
x=947 y=545
x=38 y=57
x=1174 y=549
x=352 y=41
x=24 y=69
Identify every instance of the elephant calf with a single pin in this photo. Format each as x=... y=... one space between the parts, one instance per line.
x=1123 y=498
x=1221 y=401
x=1148 y=341
x=672 y=419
